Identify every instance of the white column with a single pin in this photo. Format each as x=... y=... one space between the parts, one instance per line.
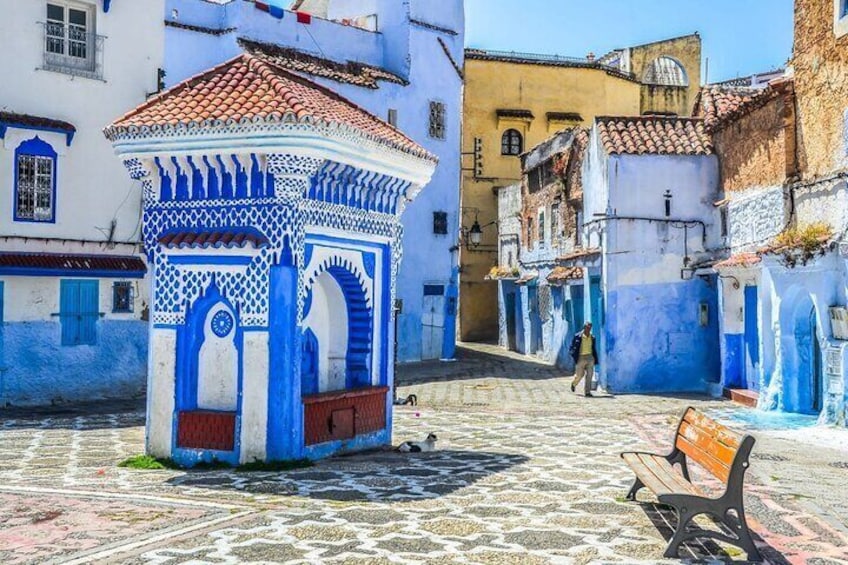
x=161 y=391
x=254 y=402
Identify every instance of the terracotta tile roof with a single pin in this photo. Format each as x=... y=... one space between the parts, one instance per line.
x=248 y=90
x=580 y=254
x=654 y=135
x=226 y=238
x=514 y=113
x=351 y=72
x=12 y=118
x=546 y=60
x=528 y=278
x=70 y=264
x=739 y=260
x=718 y=105
x=563 y=274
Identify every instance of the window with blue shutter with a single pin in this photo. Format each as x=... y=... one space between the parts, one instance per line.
x=79 y=308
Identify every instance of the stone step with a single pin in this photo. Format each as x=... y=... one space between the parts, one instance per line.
x=742 y=396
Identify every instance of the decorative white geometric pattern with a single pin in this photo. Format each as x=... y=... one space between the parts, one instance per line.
x=283 y=219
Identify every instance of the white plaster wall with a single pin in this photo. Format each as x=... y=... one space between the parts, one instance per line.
x=754 y=217
x=161 y=383
x=93 y=186
x=824 y=202
x=595 y=188
x=254 y=413
x=217 y=371
x=36 y=299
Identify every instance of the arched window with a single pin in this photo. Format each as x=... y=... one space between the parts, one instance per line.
x=512 y=143
x=35 y=182
x=666 y=71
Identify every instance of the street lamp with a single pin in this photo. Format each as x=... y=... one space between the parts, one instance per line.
x=476 y=234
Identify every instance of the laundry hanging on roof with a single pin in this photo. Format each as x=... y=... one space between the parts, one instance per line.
x=275 y=11
x=304 y=18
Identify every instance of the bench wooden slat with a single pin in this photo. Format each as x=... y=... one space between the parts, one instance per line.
x=721 y=433
x=703 y=459
x=657 y=474
x=703 y=449
x=698 y=437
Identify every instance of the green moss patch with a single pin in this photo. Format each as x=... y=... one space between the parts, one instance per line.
x=148 y=462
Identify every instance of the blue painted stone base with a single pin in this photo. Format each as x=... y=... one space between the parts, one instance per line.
x=359 y=443
x=36 y=370
x=654 y=341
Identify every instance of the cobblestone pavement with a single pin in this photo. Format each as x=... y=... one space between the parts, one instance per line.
x=526 y=472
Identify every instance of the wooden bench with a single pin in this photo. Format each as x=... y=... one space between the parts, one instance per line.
x=718 y=449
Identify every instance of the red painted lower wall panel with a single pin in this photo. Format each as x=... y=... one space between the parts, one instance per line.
x=204 y=429
x=343 y=414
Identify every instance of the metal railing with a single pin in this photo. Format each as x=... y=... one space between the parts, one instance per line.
x=71 y=50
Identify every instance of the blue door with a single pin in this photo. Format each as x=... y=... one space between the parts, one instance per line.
x=596 y=304
x=79 y=308
x=752 y=340
x=577 y=313
x=509 y=307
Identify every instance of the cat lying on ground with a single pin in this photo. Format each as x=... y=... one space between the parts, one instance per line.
x=411 y=400
x=428 y=444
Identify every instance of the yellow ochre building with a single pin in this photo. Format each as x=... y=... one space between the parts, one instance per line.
x=514 y=101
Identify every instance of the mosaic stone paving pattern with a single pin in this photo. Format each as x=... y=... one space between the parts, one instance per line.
x=507 y=485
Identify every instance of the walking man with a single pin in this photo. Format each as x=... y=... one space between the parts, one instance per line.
x=585 y=358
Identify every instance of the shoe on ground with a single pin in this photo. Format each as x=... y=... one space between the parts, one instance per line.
x=573 y=388
x=589 y=394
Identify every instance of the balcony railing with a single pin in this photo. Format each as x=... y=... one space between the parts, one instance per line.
x=71 y=50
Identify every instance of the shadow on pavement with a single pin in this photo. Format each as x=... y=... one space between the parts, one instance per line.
x=706 y=551
x=385 y=476
x=106 y=414
x=474 y=364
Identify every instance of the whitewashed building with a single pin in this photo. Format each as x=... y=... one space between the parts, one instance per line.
x=72 y=291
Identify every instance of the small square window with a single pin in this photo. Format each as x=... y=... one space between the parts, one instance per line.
x=434 y=290
x=122 y=297
x=440 y=223
x=437 y=120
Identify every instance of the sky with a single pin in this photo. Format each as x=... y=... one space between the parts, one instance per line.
x=740 y=37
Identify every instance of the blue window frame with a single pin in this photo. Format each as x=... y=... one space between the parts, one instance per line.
x=122 y=297
x=35 y=182
x=79 y=309
x=2 y=296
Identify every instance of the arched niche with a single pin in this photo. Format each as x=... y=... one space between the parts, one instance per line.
x=338 y=334
x=666 y=71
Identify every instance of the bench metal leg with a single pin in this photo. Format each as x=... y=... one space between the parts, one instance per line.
x=680 y=533
x=744 y=540
x=637 y=486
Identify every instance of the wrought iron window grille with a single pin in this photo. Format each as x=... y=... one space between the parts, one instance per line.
x=72 y=50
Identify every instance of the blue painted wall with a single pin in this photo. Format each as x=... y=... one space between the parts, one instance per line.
x=654 y=342
x=409 y=50
x=32 y=358
x=733 y=372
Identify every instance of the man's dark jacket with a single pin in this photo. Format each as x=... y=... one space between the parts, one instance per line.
x=575 y=347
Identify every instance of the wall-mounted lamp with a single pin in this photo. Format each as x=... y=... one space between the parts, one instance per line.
x=473 y=236
x=476 y=234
